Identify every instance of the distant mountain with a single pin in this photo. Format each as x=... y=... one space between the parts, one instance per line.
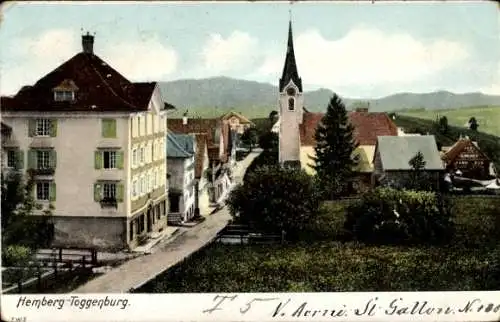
x=212 y=96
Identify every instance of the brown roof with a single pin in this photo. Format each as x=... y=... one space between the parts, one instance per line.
x=454 y=151
x=367 y=126
x=98 y=87
x=210 y=127
x=201 y=146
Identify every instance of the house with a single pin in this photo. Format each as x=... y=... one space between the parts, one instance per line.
x=181 y=178
x=393 y=154
x=201 y=171
x=237 y=122
x=466 y=156
x=221 y=150
x=95 y=144
x=297 y=126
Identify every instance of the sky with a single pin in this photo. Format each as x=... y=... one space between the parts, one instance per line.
x=357 y=49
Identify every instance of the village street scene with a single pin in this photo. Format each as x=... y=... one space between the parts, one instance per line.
x=250 y=147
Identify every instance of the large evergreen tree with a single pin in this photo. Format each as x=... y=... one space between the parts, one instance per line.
x=334 y=149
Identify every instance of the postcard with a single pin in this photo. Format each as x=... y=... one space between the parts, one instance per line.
x=250 y=161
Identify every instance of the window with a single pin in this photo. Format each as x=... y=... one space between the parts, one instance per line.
x=291 y=104
x=42 y=190
x=155 y=178
x=43 y=159
x=109 y=159
x=60 y=96
x=141 y=155
x=11 y=158
x=43 y=127
x=134 y=188
x=134 y=157
x=109 y=191
x=153 y=149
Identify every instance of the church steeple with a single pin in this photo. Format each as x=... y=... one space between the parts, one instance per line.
x=290 y=69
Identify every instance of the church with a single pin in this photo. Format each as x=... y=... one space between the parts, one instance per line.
x=296 y=125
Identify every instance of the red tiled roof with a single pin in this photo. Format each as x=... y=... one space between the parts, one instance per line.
x=208 y=127
x=201 y=146
x=367 y=126
x=98 y=87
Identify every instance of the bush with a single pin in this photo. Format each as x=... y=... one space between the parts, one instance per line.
x=266 y=158
x=16 y=255
x=389 y=216
x=273 y=199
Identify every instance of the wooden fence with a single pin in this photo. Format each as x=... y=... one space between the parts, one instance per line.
x=242 y=234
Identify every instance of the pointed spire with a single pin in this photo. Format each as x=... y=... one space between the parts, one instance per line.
x=290 y=68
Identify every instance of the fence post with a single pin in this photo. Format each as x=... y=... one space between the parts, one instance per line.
x=55 y=268
x=70 y=265
x=83 y=261
x=19 y=286
x=60 y=254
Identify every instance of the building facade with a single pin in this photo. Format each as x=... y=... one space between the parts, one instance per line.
x=94 y=142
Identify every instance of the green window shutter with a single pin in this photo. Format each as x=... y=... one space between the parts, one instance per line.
x=53 y=128
x=109 y=128
x=119 y=159
x=32 y=127
x=53 y=159
x=98 y=160
x=97 y=192
x=32 y=159
x=52 y=191
x=20 y=159
x=119 y=192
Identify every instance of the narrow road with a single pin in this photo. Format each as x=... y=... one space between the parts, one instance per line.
x=138 y=271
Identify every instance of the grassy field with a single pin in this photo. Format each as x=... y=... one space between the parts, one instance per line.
x=488 y=117
x=327 y=264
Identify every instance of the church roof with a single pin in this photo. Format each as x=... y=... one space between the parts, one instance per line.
x=290 y=68
x=367 y=126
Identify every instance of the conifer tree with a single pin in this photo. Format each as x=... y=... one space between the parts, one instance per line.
x=334 y=149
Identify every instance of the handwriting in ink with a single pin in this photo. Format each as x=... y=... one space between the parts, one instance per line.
x=221 y=299
x=249 y=304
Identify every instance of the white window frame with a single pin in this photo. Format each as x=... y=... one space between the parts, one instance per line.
x=42 y=187
x=141 y=155
x=109 y=190
x=43 y=159
x=112 y=159
x=134 y=188
x=43 y=127
x=11 y=156
x=134 y=157
x=63 y=95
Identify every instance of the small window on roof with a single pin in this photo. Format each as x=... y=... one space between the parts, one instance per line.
x=64 y=96
x=65 y=91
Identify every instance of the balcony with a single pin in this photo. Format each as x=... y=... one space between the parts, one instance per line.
x=109 y=203
x=42 y=171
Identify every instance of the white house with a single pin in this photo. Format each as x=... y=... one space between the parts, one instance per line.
x=95 y=143
x=182 y=181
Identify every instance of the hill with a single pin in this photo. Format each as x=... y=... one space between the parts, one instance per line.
x=488 y=117
x=217 y=95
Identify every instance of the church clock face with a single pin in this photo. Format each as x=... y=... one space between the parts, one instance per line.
x=290 y=91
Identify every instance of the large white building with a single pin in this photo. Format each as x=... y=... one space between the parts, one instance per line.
x=95 y=143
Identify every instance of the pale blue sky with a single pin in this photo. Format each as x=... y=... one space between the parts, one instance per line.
x=357 y=49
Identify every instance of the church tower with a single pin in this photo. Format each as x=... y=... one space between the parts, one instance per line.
x=291 y=106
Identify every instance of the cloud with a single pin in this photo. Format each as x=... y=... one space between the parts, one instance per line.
x=231 y=54
x=365 y=57
x=32 y=58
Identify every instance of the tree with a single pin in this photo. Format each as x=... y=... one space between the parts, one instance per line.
x=273 y=117
x=443 y=124
x=250 y=137
x=289 y=203
x=334 y=149
x=22 y=231
x=418 y=179
x=269 y=141
x=473 y=124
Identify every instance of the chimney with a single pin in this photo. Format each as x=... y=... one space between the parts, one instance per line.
x=185 y=118
x=88 y=43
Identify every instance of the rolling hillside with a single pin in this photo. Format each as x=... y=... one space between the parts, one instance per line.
x=214 y=96
x=488 y=117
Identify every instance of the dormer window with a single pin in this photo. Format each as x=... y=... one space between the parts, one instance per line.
x=65 y=91
x=60 y=96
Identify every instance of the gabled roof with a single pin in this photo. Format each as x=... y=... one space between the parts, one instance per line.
x=367 y=126
x=201 y=148
x=241 y=117
x=98 y=87
x=456 y=149
x=397 y=151
x=290 y=72
x=186 y=141
x=174 y=148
